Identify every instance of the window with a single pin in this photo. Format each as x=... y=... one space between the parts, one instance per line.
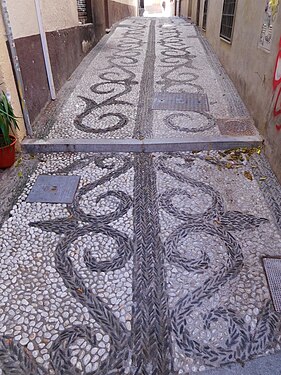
x=204 y=24
x=227 y=20
x=84 y=11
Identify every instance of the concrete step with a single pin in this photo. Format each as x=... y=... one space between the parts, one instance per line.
x=193 y=143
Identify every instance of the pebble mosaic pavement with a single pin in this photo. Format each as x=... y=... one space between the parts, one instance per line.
x=167 y=51
x=155 y=268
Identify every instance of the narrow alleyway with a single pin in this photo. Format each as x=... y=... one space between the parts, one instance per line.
x=155 y=267
x=124 y=86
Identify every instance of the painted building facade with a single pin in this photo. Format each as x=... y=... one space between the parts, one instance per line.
x=248 y=45
x=7 y=81
x=72 y=28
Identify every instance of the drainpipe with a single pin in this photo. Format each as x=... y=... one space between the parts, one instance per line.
x=45 y=50
x=16 y=66
x=178 y=8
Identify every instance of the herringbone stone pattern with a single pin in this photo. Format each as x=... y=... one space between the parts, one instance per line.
x=140 y=58
x=155 y=268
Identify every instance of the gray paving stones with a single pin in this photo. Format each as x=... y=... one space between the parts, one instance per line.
x=211 y=344
x=155 y=266
x=114 y=97
x=104 y=103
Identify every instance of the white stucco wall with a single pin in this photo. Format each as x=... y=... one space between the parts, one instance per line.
x=57 y=14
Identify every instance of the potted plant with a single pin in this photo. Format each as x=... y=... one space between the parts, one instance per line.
x=8 y=125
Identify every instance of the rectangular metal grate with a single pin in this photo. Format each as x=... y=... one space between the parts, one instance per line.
x=54 y=189
x=272 y=268
x=236 y=126
x=181 y=102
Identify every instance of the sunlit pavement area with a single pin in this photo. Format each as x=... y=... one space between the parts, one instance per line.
x=155 y=266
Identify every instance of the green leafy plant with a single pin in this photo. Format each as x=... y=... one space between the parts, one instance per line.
x=8 y=120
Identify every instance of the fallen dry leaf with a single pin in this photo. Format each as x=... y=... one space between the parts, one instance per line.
x=248 y=175
x=229 y=165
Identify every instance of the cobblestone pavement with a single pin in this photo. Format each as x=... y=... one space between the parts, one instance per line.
x=143 y=57
x=155 y=268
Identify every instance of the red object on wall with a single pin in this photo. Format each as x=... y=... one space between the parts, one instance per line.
x=277 y=107
x=277 y=70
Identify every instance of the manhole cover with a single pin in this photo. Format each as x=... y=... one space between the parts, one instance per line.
x=236 y=126
x=272 y=268
x=54 y=189
x=181 y=102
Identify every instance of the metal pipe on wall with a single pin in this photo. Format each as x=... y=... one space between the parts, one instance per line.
x=16 y=66
x=45 y=50
x=178 y=8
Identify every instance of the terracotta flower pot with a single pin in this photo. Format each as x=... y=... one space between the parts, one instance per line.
x=8 y=154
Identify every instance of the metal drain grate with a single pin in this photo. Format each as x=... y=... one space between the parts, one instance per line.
x=272 y=268
x=181 y=102
x=236 y=126
x=54 y=189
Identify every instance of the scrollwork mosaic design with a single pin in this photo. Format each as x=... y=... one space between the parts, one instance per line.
x=117 y=81
x=148 y=347
x=241 y=344
x=177 y=60
x=98 y=309
x=180 y=75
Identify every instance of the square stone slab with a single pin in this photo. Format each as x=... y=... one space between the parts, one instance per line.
x=173 y=101
x=272 y=268
x=54 y=189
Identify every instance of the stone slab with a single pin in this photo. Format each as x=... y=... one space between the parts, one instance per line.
x=82 y=145
x=54 y=189
x=132 y=145
x=199 y=143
